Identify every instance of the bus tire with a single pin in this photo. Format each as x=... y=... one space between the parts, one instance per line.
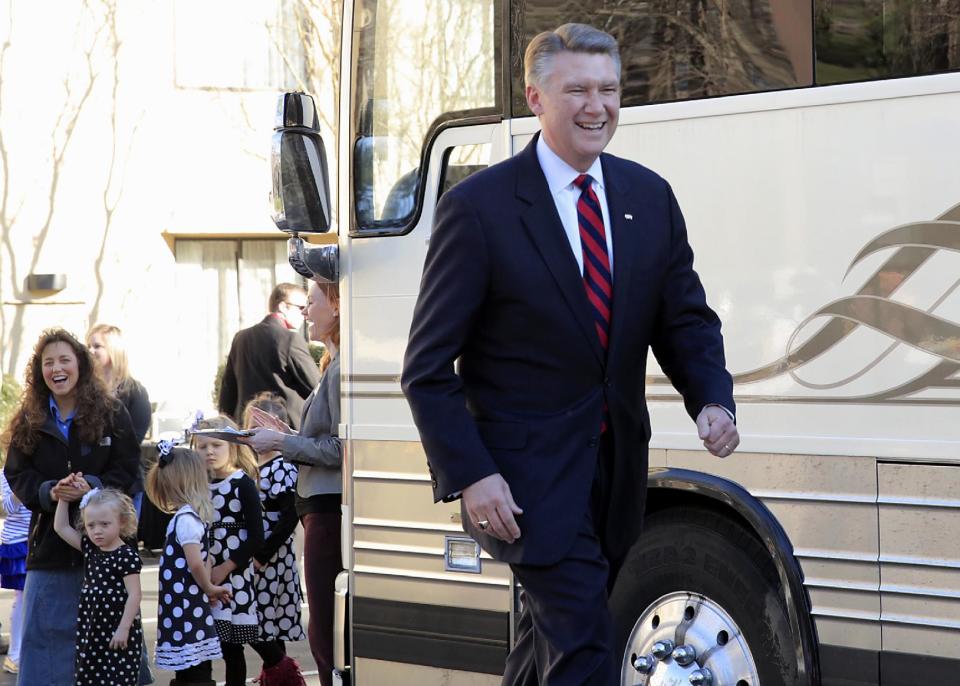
x=723 y=584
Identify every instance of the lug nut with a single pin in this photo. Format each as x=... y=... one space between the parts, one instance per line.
x=702 y=677
x=661 y=649
x=644 y=663
x=684 y=655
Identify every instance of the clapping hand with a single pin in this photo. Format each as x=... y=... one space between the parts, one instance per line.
x=70 y=488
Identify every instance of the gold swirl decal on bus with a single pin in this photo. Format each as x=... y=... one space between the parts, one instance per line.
x=871 y=306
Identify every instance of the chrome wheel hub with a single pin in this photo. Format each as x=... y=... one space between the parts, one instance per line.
x=686 y=638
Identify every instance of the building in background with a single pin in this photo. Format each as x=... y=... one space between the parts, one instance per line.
x=135 y=161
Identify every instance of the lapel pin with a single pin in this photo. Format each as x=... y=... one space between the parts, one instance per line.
x=628 y=216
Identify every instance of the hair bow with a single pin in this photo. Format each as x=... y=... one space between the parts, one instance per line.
x=85 y=500
x=197 y=418
x=165 y=450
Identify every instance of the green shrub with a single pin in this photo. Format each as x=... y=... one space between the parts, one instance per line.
x=10 y=391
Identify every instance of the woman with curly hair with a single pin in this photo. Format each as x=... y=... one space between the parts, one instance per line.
x=68 y=435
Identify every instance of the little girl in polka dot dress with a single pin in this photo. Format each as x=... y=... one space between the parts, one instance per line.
x=235 y=535
x=277 y=576
x=186 y=638
x=109 y=636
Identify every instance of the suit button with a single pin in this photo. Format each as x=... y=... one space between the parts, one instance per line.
x=592 y=443
x=606 y=381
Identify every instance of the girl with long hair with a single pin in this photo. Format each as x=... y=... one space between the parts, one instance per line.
x=68 y=435
x=186 y=637
x=276 y=576
x=235 y=535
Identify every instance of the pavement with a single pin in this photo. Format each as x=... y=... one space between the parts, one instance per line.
x=299 y=650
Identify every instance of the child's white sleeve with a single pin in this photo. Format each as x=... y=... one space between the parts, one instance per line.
x=189 y=529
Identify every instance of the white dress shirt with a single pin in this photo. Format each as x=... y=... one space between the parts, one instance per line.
x=560 y=177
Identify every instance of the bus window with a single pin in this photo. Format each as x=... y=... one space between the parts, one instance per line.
x=859 y=40
x=683 y=49
x=460 y=162
x=415 y=62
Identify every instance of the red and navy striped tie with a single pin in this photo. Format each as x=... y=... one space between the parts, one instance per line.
x=597 y=279
x=596 y=262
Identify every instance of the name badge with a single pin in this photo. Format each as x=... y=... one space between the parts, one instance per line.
x=105 y=440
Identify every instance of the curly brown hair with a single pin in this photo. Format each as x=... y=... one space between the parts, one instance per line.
x=95 y=405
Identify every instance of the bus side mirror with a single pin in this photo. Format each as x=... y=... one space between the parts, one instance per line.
x=298 y=161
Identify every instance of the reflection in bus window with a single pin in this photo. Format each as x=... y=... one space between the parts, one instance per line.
x=859 y=40
x=683 y=49
x=460 y=162
x=416 y=61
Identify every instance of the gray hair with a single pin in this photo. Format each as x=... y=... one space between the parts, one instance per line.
x=570 y=37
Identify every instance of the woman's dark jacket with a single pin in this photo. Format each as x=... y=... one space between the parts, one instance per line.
x=114 y=460
x=137 y=401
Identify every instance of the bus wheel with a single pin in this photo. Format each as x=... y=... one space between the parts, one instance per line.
x=697 y=601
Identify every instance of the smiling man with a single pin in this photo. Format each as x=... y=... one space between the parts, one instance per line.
x=550 y=276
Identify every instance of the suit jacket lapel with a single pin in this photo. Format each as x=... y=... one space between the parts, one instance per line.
x=627 y=237
x=543 y=224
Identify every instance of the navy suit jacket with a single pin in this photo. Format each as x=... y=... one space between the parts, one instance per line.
x=503 y=294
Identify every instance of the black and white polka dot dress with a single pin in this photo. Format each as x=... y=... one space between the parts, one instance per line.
x=238 y=620
x=278 y=581
x=102 y=599
x=185 y=631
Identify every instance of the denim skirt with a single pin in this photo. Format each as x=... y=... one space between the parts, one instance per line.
x=51 y=598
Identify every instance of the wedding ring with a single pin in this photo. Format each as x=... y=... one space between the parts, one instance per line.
x=726 y=447
x=483 y=524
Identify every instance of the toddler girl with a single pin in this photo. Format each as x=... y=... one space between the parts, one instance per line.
x=13 y=566
x=277 y=577
x=109 y=636
x=235 y=535
x=186 y=638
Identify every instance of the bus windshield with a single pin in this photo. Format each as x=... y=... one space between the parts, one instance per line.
x=415 y=62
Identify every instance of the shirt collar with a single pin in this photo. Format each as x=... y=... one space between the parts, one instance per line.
x=55 y=411
x=558 y=173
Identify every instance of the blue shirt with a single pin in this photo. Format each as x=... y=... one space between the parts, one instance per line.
x=62 y=424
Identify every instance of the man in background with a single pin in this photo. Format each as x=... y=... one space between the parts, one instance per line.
x=271 y=356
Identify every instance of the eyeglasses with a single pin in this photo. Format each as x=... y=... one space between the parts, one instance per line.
x=299 y=306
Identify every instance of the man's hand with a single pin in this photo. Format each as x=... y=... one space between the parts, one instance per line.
x=717 y=430
x=489 y=500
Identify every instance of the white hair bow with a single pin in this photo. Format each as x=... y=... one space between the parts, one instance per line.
x=85 y=500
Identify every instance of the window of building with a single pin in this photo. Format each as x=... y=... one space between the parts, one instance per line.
x=230 y=45
x=683 y=49
x=221 y=287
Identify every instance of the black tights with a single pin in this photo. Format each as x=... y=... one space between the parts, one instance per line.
x=271 y=652
x=201 y=673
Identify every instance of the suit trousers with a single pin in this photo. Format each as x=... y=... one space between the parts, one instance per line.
x=565 y=633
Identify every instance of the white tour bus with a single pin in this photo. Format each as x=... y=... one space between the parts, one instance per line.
x=815 y=150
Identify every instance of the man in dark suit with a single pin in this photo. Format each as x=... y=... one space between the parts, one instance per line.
x=550 y=276
x=271 y=356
